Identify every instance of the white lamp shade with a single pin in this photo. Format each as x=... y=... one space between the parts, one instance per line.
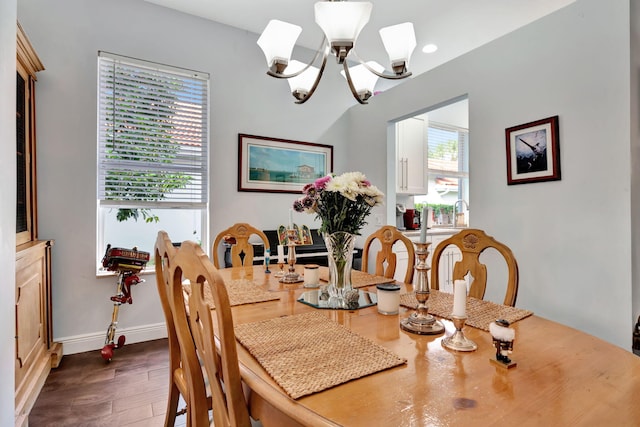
x=305 y=80
x=399 y=41
x=363 y=79
x=278 y=39
x=342 y=20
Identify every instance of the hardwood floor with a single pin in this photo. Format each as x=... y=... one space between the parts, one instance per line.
x=131 y=390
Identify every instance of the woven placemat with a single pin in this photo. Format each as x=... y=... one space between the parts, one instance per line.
x=359 y=279
x=240 y=291
x=480 y=313
x=307 y=353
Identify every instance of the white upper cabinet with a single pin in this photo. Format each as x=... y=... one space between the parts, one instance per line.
x=411 y=156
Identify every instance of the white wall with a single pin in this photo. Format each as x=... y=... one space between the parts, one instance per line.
x=572 y=238
x=67 y=35
x=7 y=216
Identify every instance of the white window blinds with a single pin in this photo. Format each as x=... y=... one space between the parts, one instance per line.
x=447 y=150
x=152 y=134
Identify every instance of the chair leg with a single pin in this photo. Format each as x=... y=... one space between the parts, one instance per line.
x=172 y=405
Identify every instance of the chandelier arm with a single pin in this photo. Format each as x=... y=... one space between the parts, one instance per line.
x=323 y=47
x=315 y=83
x=350 y=83
x=379 y=74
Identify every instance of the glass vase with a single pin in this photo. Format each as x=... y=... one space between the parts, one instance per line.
x=340 y=255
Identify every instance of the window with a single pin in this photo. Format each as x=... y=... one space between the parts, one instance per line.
x=152 y=153
x=448 y=170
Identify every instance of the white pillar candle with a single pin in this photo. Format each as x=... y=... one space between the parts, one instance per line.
x=459 y=298
x=311 y=276
x=423 y=226
x=280 y=254
x=388 y=298
x=290 y=219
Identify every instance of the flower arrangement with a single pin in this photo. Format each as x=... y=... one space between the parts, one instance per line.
x=342 y=202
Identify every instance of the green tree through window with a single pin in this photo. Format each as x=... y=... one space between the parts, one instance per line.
x=444 y=151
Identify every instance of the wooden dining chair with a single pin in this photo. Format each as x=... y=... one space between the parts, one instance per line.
x=241 y=250
x=472 y=242
x=178 y=349
x=219 y=355
x=164 y=253
x=386 y=259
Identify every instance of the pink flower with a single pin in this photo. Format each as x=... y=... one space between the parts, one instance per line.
x=309 y=190
x=321 y=183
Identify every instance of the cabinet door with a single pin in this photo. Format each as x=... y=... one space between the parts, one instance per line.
x=32 y=361
x=402 y=261
x=25 y=225
x=449 y=257
x=411 y=157
x=27 y=65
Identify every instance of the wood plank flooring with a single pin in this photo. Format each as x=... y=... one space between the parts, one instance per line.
x=131 y=390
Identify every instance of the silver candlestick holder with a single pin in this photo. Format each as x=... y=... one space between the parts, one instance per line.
x=291 y=276
x=280 y=272
x=458 y=341
x=421 y=322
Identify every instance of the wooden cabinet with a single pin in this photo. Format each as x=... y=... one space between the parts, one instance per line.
x=411 y=156
x=35 y=351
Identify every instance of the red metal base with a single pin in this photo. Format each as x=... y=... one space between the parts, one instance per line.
x=107 y=350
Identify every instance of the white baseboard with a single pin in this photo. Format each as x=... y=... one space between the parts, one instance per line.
x=95 y=341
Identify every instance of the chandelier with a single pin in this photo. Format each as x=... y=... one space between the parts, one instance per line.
x=341 y=22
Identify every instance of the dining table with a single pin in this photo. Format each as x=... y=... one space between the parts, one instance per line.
x=562 y=376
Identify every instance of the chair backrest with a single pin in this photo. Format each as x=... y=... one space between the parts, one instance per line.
x=386 y=259
x=241 y=250
x=184 y=363
x=221 y=363
x=163 y=252
x=472 y=242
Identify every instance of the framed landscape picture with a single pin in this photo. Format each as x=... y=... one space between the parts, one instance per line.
x=280 y=165
x=533 y=152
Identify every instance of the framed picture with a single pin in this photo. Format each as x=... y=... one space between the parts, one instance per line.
x=280 y=165
x=303 y=233
x=533 y=152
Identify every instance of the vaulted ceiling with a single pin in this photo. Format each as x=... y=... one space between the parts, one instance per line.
x=455 y=26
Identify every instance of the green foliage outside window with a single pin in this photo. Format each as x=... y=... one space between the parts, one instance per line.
x=444 y=151
x=140 y=129
x=446 y=209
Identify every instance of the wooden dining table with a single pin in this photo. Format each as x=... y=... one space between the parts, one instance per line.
x=563 y=377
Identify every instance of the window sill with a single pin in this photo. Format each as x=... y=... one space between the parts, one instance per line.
x=106 y=273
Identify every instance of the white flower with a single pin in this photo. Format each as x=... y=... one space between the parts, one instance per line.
x=334 y=185
x=372 y=191
x=351 y=185
x=355 y=177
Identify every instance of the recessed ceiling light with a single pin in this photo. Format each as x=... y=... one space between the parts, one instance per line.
x=429 y=48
